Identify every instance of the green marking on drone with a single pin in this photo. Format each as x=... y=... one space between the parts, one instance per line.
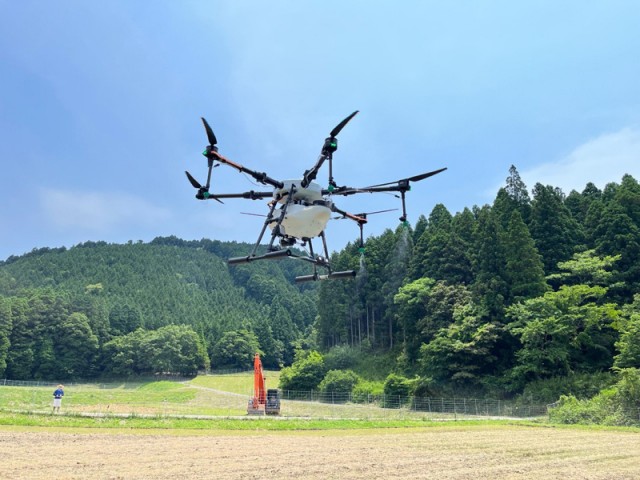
x=204 y=153
x=361 y=250
x=334 y=144
x=405 y=224
x=206 y=194
x=331 y=188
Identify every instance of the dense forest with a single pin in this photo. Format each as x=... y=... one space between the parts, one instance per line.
x=168 y=306
x=496 y=297
x=537 y=286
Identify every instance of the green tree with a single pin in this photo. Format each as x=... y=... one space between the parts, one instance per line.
x=174 y=349
x=425 y=308
x=628 y=344
x=339 y=381
x=523 y=270
x=397 y=385
x=272 y=349
x=518 y=193
x=412 y=300
x=124 y=319
x=586 y=268
x=490 y=288
x=122 y=356
x=579 y=203
x=76 y=347
x=618 y=232
x=20 y=358
x=235 y=349
x=552 y=227
x=463 y=352
x=305 y=374
x=563 y=332
x=6 y=325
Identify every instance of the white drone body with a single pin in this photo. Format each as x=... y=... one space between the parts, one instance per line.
x=307 y=215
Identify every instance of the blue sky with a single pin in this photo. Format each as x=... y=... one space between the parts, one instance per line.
x=100 y=106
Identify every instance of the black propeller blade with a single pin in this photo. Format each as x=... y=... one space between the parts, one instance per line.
x=203 y=192
x=341 y=125
x=254 y=214
x=210 y=135
x=365 y=214
x=193 y=181
x=330 y=146
x=415 y=178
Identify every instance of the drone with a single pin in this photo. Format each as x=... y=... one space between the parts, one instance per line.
x=300 y=208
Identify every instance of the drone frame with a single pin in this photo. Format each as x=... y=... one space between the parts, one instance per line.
x=287 y=197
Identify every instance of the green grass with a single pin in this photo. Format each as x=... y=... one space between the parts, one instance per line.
x=159 y=398
x=247 y=424
x=165 y=404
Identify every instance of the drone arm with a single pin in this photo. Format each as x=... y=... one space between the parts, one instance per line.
x=330 y=146
x=359 y=219
x=260 y=177
x=310 y=175
x=345 y=191
x=250 y=195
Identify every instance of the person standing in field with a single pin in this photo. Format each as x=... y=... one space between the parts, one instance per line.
x=57 y=398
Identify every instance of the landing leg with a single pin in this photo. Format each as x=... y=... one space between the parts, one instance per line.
x=283 y=212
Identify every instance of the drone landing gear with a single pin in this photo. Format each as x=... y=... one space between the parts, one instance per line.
x=273 y=253
x=323 y=262
x=329 y=276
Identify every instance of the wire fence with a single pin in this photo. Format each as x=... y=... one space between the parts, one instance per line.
x=189 y=400
x=424 y=405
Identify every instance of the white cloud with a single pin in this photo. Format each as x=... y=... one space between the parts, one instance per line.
x=98 y=211
x=601 y=160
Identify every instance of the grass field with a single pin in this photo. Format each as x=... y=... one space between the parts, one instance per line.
x=209 y=395
x=174 y=429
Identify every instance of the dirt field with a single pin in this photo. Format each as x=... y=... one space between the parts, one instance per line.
x=484 y=452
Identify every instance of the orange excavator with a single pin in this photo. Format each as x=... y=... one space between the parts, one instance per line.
x=263 y=402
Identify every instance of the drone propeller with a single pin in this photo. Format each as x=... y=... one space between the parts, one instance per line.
x=193 y=181
x=406 y=181
x=363 y=216
x=210 y=135
x=402 y=186
x=341 y=125
x=330 y=146
x=360 y=219
x=203 y=192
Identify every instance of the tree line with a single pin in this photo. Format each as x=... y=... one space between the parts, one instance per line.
x=495 y=297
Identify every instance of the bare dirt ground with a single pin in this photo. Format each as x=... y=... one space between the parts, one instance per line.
x=472 y=452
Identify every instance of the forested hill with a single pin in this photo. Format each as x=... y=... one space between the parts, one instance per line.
x=120 y=288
